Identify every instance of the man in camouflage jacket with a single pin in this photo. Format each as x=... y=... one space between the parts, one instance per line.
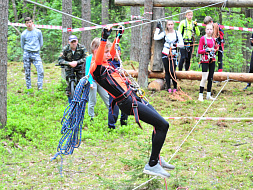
x=73 y=56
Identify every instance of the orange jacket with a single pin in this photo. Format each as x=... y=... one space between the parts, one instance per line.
x=98 y=66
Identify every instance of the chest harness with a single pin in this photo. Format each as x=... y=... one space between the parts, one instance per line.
x=210 y=55
x=172 y=54
x=188 y=41
x=108 y=82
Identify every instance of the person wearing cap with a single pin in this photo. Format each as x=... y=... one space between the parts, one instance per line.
x=31 y=42
x=114 y=112
x=73 y=56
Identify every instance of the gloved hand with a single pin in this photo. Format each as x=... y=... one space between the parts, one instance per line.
x=120 y=31
x=159 y=25
x=106 y=33
x=195 y=23
x=174 y=44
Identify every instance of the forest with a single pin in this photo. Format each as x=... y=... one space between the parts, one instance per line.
x=237 y=49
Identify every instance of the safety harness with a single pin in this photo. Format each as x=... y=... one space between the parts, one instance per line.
x=108 y=82
x=171 y=53
x=211 y=54
x=185 y=27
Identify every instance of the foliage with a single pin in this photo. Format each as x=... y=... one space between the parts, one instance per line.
x=234 y=61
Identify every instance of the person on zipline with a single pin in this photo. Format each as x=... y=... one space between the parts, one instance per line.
x=172 y=40
x=188 y=29
x=218 y=34
x=251 y=62
x=127 y=100
x=207 y=49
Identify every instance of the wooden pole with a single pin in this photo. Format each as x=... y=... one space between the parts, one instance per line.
x=197 y=75
x=186 y=3
x=145 y=45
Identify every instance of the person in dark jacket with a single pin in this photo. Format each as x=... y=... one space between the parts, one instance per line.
x=73 y=56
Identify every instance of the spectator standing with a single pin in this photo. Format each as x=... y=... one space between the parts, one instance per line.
x=218 y=34
x=114 y=110
x=207 y=49
x=73 y=56
x=94 y=86
x=188 y=29
x=172 y=40
x=31 y=42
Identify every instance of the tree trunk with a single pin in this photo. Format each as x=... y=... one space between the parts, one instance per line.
x=135 y=37
x=157 y=46
x=246 y=46
x=182 y=16
x=105 y=11
x=66 y=20
x=34 y=11
x=86 y=15
x=186 y=3
x=156 y=85
x=197 y=75
x=14 y=10
x=66 y=23
x=24 y=14
x=145 y=45
x=220 y=15
x=3 y=61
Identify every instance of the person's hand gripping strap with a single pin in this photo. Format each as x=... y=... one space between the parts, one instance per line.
x=106 y=33
x=120 y=31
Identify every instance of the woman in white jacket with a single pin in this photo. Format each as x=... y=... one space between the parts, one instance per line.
x=172 y=40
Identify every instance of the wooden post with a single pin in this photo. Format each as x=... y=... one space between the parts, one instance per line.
x=186 y=3
x=157 y=45
x=145 y=45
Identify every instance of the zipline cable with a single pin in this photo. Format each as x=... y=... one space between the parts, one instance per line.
x=188 y=134
x=177 y=14
x=60 y=12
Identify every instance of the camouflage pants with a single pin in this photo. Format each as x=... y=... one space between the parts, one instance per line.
x=33 y=57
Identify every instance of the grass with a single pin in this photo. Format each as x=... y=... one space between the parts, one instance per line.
x=216 y=155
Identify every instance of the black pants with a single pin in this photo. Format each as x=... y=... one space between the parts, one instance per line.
x=251 y=66
x=186 y=54
x=170 y=68
x=205 y=67
x=149 y=115
x=220 y=56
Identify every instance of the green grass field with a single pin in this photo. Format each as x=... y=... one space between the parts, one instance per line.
x=216 y=155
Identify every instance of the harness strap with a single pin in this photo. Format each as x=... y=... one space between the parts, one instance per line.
x=125 y=95
x=204 y=47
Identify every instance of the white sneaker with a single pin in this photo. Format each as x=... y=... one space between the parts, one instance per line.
x=210 y=98
x=201 y=97
x=156 y=170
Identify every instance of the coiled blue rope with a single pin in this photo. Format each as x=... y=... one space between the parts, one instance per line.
x=72 y=121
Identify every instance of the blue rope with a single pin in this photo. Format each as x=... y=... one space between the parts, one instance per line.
x=72 y=121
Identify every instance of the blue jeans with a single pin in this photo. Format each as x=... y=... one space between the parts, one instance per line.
x=33 y=57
